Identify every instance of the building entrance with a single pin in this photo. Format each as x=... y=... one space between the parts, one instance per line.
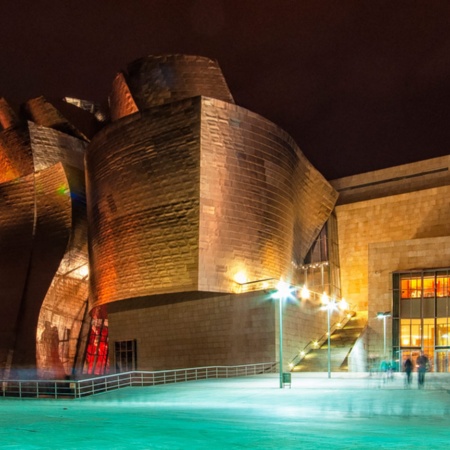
x=421 y=316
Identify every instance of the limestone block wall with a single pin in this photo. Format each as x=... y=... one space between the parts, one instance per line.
x=384 y=258
x=413 y=215
x=195 y=331
x=303 y=322
x=394 y=180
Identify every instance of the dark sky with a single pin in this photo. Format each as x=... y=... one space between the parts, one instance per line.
x=359 y=84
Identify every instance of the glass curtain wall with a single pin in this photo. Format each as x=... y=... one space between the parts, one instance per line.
x=320 y=268
x=421 y=316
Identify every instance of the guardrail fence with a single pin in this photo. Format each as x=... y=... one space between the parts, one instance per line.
x=92 y=386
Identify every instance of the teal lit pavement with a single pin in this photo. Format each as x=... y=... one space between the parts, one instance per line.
x=344 y=412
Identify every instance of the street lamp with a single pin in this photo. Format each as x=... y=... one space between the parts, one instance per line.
x=283 y=291
x=330 y=305
x=384 y=316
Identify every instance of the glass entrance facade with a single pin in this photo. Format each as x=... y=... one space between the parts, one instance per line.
x=421 y=310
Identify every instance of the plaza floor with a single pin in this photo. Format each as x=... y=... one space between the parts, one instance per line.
x=344 y=412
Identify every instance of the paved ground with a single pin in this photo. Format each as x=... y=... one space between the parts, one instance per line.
x=343 y=412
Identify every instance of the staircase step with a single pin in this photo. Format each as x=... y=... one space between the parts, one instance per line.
x=341 y=343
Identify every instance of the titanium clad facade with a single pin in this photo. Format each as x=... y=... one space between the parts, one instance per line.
x=17 y=220
x=157 y=80
x=247 y=191
x=15 y=154
x=121 y=102
x=50 y=239
x=143 y=204
x=189 y=201
x=43 y=235
x=187 y=196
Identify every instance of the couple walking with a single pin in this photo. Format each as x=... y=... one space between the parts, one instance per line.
x=422 y=364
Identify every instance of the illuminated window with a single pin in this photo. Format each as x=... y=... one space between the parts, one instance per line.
x=442 y=332
x=442 y=286
x=421 y=315
x=410 y=333
x=411 y=287
x=428 y=287
x=96 y=361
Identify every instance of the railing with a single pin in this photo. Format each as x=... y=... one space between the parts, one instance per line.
x=315 y=344
x=92 y=386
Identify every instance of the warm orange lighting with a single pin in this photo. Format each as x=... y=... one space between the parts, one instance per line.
x=240 y=277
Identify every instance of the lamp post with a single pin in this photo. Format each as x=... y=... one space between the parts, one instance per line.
x=384 y=316
x=283 y=291
x=329 y=305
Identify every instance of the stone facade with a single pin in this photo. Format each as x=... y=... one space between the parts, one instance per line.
x=390 y=220
x=191 y=208
x=193 y=330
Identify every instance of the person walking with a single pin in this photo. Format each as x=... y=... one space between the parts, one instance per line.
x=408 y=367
x=422 y=366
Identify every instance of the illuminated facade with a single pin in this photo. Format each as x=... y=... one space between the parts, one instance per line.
x=43 y=239
x=151 y=236
x=394 y=245
x=193 y=201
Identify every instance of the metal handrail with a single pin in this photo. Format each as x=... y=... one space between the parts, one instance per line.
x=314 y=344
x=97 y=385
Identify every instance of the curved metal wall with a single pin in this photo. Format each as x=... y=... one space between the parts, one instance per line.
x=16 y=240
x=143 y=197
x=195 y=195
x=42 y=227
x=157 y=80
x=247 y=189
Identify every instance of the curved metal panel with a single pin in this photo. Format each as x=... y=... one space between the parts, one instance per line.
x=171 y=210
x=156 y=80
x=8 y=118
x=247 y=197
x=15 y=154
x=121 y=101
x=42 y=112
x=16 y=240
x=51 y=235
x=143 y=197
x=314 y=202
x=51 y=146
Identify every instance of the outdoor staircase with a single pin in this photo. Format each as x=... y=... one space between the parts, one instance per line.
x=342 y=341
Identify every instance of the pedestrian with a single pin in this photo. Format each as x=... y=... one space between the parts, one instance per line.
x=408 y=367
x=386 y=370
x=422 y=364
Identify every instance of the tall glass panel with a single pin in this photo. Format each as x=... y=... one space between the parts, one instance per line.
x=442 y=286
x=423 y=298
x=442 y=332
x=410 y=333
x=428 y=337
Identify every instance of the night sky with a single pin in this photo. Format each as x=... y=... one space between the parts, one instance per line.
x=359 y=84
